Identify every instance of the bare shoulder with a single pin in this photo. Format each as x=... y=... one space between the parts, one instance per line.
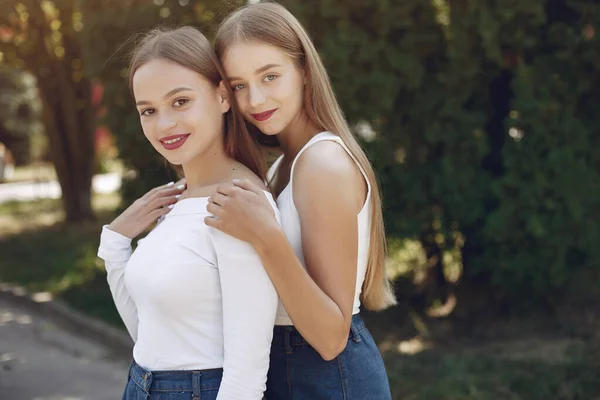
x=242 y=172
x=325 y=169
x=327 y=160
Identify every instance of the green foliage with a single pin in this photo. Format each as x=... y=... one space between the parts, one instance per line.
x=546 y=224
x=449 y=88
x=485 y=123
x=484 y=117
x=478 y=375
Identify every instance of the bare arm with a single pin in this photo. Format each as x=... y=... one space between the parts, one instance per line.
x=328 y=192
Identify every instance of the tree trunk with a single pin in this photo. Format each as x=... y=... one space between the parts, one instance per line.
x=435 y=286
x=68 y=113
x=71 y=140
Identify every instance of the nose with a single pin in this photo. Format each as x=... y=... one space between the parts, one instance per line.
x=166 y=121
x=257 y=96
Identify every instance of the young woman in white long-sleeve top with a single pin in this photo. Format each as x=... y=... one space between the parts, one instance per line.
x=197 y=302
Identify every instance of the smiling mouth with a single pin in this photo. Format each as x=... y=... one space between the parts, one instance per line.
x=264 y=115
x=174 y=142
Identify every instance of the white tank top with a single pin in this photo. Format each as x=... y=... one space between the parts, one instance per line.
x=290 y=222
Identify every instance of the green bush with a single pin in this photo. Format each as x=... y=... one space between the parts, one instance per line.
x=485 y=122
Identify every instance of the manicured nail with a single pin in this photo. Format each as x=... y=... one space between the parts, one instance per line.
x=170 y=183
x=237 y=180
x=181 y=187
x=178 y=196
x=171 y=206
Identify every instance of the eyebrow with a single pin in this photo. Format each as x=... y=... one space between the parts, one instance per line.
x=258 y=71
x=169 y=94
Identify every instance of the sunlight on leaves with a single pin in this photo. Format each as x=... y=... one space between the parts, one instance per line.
x=59 y=52
x=77 y=21
x=404 y=257
x=20 y=8
x=55 y=25
x=442 y=9
x=165 y=12
x=50 y=10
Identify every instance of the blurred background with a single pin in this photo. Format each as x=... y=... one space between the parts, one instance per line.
x=481 y=119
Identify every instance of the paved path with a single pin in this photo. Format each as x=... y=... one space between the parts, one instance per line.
x=50 y=363
x=104 y=183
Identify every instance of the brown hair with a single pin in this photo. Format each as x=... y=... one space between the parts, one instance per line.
x=272 y=24
x=189 y=48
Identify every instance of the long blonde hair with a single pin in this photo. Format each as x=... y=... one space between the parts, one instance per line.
x=272 y=24
x=189 y=48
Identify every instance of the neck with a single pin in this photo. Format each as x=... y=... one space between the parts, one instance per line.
x=208 y=168
x=295 y=136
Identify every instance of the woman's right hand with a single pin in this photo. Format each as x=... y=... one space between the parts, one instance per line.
x=147 y=209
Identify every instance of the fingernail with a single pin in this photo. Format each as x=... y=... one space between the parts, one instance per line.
x=181 y=187
x=170 y=183
x=178 y=196
x=171 y=206
x=237 y=180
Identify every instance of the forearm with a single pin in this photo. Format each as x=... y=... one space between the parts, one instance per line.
x=115 y=250
x=123 y=301
x=317 y=317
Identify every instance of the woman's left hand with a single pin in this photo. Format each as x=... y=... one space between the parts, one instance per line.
x=241 y=209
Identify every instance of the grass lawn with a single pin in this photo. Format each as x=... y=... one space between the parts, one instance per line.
x=41 y=254
x=466 y=376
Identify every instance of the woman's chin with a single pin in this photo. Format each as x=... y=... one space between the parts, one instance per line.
x=176 y=161
x=269 y=130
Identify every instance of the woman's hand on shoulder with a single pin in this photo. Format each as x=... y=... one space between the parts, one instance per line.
x=241 y=209
x=147 y=209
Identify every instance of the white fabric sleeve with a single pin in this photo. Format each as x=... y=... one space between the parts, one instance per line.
x=115 y=250
x=249 y=308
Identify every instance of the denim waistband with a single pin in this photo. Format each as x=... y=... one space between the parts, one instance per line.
x=194 y=381
x=287 y=336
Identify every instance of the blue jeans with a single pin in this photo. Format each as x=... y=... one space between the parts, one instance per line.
x=297 y=371
x=172 y=385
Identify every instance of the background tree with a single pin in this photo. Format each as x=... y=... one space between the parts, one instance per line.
x=20 y=108
x=47 y=39
x=485 y=141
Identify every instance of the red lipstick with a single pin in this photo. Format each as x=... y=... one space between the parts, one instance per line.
x=174 y=142
x=263 y=116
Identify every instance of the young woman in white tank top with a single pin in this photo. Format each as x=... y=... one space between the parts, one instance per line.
x=327 y=255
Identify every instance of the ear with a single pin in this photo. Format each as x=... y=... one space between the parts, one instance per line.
x=223 y=97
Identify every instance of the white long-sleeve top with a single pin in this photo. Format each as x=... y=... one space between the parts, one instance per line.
x=194 y=298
